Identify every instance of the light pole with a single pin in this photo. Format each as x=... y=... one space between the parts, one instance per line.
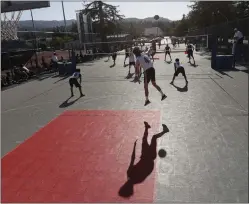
x=218 y=12
x=36 y=46
x=222 y=15
x=65 y=23
x=156 y=17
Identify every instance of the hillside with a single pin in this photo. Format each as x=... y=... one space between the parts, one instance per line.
x=40 y=25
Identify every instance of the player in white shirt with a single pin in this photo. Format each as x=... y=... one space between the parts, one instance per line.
x=131 y=60
x=55 y=61
x=179 y=69
x=54 y=58
x=238 y=36
x=237 y=49
x=73 y=81
x=149 y=73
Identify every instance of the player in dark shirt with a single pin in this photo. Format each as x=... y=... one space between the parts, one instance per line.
x=190 y=51
x=167 y=51
x=114 y=55
x=126 y=54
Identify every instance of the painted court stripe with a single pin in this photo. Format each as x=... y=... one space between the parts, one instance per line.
x=81 y=156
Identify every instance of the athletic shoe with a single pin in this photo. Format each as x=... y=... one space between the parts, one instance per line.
x=165 y=128
x=163 y=97
x=147 y=102
x=147 y=125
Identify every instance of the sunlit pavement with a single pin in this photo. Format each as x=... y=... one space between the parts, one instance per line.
x=207 y=143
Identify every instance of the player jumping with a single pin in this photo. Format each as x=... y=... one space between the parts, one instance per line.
x=149 y=73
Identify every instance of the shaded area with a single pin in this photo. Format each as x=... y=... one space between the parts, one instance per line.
x=129 y=76
x=55 y=76
x=137 y=173
x=181 y=89
x=41 y=78
x=63 y=78
x=65 y=104
x=13 y=85
x=193 y=65
x=226 y=71
x=169 y=62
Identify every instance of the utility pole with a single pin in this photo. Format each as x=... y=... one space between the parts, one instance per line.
x=35 y=44
x=65 y=23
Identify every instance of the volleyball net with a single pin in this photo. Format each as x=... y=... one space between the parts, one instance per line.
x=201 y=42
x=89 y=46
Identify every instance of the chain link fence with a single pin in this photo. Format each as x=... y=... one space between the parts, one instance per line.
x=224 y=34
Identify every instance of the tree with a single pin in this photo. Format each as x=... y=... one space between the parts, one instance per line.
x=74 y=27
x=103 y=15
x=242 y=9
x=205 y=13
x=182 y=26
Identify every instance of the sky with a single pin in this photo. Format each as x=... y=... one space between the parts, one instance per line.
x=170 y=10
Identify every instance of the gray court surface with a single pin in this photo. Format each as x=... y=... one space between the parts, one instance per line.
x=207 y=147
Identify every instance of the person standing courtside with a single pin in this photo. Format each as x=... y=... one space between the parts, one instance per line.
x=237 y=45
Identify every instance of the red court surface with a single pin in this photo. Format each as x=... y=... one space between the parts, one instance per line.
x=81 y=156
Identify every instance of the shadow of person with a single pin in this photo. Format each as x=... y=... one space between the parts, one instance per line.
x=65 y=77
x=137 y=173
x=181 y=89
x=129 y=76
x=193 y=64
x=66 y=103
x=224 y=73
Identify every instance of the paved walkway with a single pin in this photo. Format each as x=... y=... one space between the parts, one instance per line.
x=207 y=146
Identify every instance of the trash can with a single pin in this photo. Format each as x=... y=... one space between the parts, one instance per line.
x=61 y=68
x=224 y=61
x=65 y=68
x=69 y=68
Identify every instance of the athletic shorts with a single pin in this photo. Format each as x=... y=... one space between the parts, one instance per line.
x=190 y=53
x=131 y=63
x=240 y=41
x=114 y=56
x=74 y=82
x=167 y=53
x=180 y=70
x=150 y=75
